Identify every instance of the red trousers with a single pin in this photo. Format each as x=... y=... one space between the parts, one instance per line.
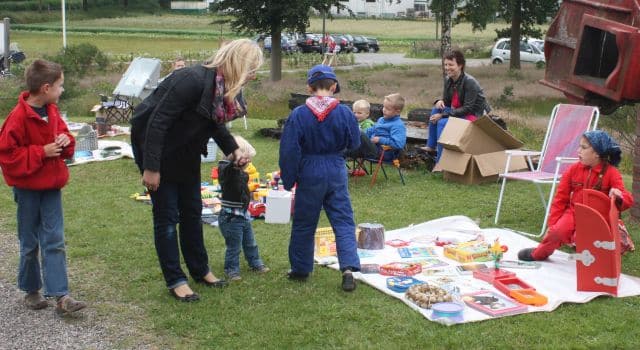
x=562 y=232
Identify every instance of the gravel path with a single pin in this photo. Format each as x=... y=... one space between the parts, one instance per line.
x=23 y=328
x=373 y=59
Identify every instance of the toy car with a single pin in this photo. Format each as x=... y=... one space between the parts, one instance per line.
x=257 y=209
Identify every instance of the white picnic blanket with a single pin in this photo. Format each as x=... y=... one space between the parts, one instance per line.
x=555 y=279
x=97 y=155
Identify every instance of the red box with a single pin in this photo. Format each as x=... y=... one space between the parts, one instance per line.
x=489 y=275
x=508 y=284
x=400 y=269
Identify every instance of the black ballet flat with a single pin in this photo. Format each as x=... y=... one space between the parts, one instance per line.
x=220 y=283
x=187 y=298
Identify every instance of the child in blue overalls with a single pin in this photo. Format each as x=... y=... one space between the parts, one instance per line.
x=314 y=138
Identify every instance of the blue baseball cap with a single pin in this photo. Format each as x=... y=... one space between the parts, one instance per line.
x=321 y=71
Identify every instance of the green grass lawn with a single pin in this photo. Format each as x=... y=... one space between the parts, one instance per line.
x=113 y=265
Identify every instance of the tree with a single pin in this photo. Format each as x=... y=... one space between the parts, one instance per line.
x=524 y=15
x=273 y=17
x=477 y=11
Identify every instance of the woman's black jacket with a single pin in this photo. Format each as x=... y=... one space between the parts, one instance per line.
x=171 y=127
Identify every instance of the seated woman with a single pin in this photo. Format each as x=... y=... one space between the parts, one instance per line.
x=462 y=98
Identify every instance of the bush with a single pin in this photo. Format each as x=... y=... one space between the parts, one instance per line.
x=35 y=5
x=622 y=124
x=10 y=88
x=358 y=85
x=505 y=97
x=431 y=49
x=533 y=33
x=78 y=60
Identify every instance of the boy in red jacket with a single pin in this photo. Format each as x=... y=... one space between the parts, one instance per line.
x=599 y=155
x=34 y=141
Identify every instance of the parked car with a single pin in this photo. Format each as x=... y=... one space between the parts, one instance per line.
x=309 y=42
x=539 y=43
x=373 y=44
x=286 y=44
x=345 y=41
x=529 y=51
x=360 y=44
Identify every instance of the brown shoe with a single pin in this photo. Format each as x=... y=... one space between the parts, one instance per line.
x=35 y=301
x=68 y=305
x=261 y=269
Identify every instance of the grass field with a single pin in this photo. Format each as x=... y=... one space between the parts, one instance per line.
x=402 y=29
x=188 y=33
x=39 y=43
x=113 y=264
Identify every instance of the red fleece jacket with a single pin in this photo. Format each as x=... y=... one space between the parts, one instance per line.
x=579 y=177
x=22 y=139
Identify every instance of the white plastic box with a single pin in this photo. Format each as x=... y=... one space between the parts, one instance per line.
x=278 y=207
x=212 y=151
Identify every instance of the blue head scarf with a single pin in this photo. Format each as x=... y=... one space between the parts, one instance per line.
x=606 y=147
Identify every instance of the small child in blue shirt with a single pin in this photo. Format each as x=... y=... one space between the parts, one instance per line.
x=389 y=130
x=234 y=219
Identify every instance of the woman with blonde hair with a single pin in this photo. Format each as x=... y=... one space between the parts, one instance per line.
x=169 y=133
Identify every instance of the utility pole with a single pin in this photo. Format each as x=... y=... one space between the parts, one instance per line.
x=6 y=42
x=64 y=26
x=324 y=32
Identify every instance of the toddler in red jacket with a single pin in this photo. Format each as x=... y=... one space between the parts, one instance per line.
x=599 y=154
x=34 y=141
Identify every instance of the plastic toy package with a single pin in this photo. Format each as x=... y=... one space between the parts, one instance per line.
x=401 y=284
x=493 y=304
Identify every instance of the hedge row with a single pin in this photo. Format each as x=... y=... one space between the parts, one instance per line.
x=177 y=32
x=34 y=5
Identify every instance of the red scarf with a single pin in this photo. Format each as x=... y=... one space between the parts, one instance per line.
x=321 y=106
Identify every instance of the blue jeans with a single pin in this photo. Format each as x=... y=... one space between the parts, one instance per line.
x=173 y=204
x=41 y=228
x=238 y=234
x=435 y=130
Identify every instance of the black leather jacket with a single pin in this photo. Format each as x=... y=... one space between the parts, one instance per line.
x=180 y=125
x=470 y=94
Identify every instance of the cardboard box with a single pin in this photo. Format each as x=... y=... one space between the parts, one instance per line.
x=325 y=242
x=474 y=151
x=468 y=252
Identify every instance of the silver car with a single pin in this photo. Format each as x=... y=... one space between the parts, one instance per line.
x=529 y=51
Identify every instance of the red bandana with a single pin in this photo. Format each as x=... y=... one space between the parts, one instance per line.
x=321 y=106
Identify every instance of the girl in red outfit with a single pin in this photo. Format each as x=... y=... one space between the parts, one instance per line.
x=599 y=155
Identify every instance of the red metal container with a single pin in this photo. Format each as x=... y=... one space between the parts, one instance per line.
x=592 y=49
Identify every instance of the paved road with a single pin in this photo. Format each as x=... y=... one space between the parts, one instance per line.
x=376 y=59
x=372 y=59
